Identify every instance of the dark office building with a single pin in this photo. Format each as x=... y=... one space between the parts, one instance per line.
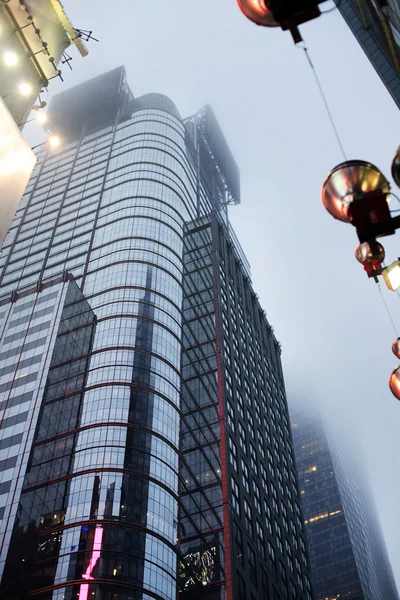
x=347 y=550
x=376 y=25
x=145 y=448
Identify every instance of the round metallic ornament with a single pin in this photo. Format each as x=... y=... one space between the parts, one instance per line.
x=369 y=251
x=257 y=11
x=396 y=167
x=394 y=383
x=349 y=181
x=396 y=348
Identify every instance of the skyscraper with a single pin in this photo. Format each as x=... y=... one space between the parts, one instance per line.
x=347 y=549
x=146 y=446
x=376 y=25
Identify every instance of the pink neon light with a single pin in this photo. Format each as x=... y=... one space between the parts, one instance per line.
x=96 y=551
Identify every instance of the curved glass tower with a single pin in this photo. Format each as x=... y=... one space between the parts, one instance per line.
x=110 y=463
x=114 y=391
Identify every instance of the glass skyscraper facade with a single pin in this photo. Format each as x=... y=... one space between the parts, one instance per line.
x=347 y=550
x=376 y=26
x=145 y=448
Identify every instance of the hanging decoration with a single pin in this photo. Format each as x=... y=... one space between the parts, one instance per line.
x=394 y=382
x=356 y=192
x=371 y=255
x=396 y=348
x=287 y=14
x=396 y=167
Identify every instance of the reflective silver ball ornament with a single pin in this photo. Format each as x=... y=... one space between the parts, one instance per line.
x=368 y=251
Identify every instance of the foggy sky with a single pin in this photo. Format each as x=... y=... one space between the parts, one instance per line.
x=335 y=334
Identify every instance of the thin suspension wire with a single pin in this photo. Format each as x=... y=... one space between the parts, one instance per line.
x=339 y=141
x=394 y=196
x=329 y=10
x=387 y=310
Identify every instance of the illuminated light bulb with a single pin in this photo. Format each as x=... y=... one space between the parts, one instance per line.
x=25 y=89
x=54 y=141
x=394 y=383
x=10 y=59
x=391 y=275
x=41 y=118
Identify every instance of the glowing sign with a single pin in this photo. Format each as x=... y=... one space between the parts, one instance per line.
x=199 y=568
x=96 y=552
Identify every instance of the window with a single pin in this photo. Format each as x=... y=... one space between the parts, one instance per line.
x=253 y=459
x=239 y=401
x=308 y=586
x=233 y=454
x=260 y=444
x=238 y=374
x=279 y=537
x=257 y=497
x=248 y=518
x=242 y=438
x=245 y=476
x=260 y=539
x=251 y=557
x=274 y=498
x=238 y=543
x=282 y=573
x=258 y=417
x=264 y=479
x=235 y=498
x=271 y=553
x=231 y=416
x=241 y=588
x=268 y=520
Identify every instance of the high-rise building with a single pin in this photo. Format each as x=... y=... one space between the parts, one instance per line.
x=376 y=25
x=347 y=550
x=145 y=448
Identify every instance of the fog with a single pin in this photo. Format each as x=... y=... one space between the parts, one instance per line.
x=336 y=336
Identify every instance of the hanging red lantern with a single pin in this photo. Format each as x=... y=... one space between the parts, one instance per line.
x=356 y=192
x=287 y=14
x=257 y=11
x=371 y=255
x=396 y=348
x=394 y=383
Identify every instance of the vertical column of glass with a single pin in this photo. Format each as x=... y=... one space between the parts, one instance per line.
x=121 y=519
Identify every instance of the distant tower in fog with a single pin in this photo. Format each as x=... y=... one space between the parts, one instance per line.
x=347 y=550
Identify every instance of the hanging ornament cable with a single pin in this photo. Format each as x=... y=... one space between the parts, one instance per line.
x=339 y=141
x=387 y=309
